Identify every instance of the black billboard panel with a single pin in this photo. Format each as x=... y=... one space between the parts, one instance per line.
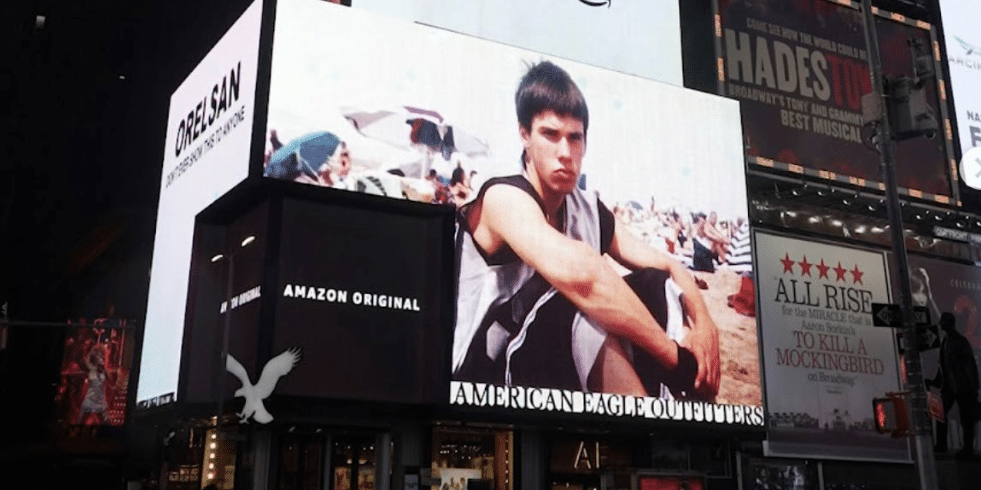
x=359 y=296
x=223 y=304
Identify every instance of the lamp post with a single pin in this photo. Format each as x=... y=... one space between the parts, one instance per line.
x=914 y=373
x=226 y=326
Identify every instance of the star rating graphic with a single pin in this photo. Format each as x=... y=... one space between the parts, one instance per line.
x=822 y=268
x=788 y=264
x=805 y=267
x=856 y=275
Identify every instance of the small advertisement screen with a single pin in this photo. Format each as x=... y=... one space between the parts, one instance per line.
x=660 y=192
x=206 y=153
x=823 y=358
x=778 y=474
x=638 y=38
x=94 y=376
x=650 y=482
x=800 y=69
x=964 y=70
x=952 y=349
x=360 y=294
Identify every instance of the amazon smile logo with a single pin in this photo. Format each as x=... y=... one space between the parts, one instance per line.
x=593 y=3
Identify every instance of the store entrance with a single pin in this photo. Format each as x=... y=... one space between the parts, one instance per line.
x=353 y=462
x=301 y=462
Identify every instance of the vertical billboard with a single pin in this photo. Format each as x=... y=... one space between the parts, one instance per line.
x=823 y=359
x=951 y=358
x=667 y=163
x=94 y=376
x=206 y=153
x=223 y=306
x=800 y=69
x=964 y=70
x=638 y=38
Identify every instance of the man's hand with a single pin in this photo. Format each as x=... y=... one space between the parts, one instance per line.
x=703 y=342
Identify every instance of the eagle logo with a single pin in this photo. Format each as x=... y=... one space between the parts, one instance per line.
x=276 y=368
x=971 y=49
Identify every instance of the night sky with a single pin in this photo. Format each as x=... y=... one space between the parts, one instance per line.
x=85 y=118
x=84 y=109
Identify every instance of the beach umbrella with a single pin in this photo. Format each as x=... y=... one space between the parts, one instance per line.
x=405 y=125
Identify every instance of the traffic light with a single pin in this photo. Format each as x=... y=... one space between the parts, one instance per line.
x=891 y=414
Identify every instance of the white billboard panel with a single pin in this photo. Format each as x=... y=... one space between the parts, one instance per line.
x=640 y=37
x=209 y=134
x=963 y=40
x=824 y=362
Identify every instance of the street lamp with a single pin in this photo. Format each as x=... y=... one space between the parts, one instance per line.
x=220 y=371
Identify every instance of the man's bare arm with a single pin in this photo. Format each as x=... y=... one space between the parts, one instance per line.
x=510 y=216
x=703 y=340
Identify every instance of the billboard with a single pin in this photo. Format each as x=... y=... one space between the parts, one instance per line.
x=964 y=71
x=638 y=38
x=800 y=69
x=947 y=287
x=206 y=153
x=765 y=473
x=665 y=482
x=658 y=155
x=363 y=311
x=823 y=359
x=94 y=375
x=223 y=306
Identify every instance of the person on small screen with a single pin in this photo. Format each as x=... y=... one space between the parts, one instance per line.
x=538 y=302
x=94 y=403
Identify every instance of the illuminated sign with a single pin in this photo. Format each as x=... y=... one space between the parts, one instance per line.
x=207 y=147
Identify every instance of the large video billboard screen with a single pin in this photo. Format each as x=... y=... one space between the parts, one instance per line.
x=964 y=70
x=206 y=152
x=666 y=162
x=947 y=287
x=638 y=38
x=824 y=361
x=800 y=69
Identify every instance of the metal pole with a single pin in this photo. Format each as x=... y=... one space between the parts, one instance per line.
x=922 y=432
x=219 y=378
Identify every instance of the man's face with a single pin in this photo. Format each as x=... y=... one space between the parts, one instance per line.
x=555 y=147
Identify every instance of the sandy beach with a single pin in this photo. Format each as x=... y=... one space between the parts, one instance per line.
x=738 y=341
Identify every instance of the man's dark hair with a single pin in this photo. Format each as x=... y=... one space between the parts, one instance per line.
x=546 y=87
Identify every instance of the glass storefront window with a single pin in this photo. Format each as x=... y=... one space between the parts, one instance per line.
x=472 y=459
x=353 y=462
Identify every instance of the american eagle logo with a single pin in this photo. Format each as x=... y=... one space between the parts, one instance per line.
x=276 y=368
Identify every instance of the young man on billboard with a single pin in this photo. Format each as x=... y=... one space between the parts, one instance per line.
x=539 y=305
